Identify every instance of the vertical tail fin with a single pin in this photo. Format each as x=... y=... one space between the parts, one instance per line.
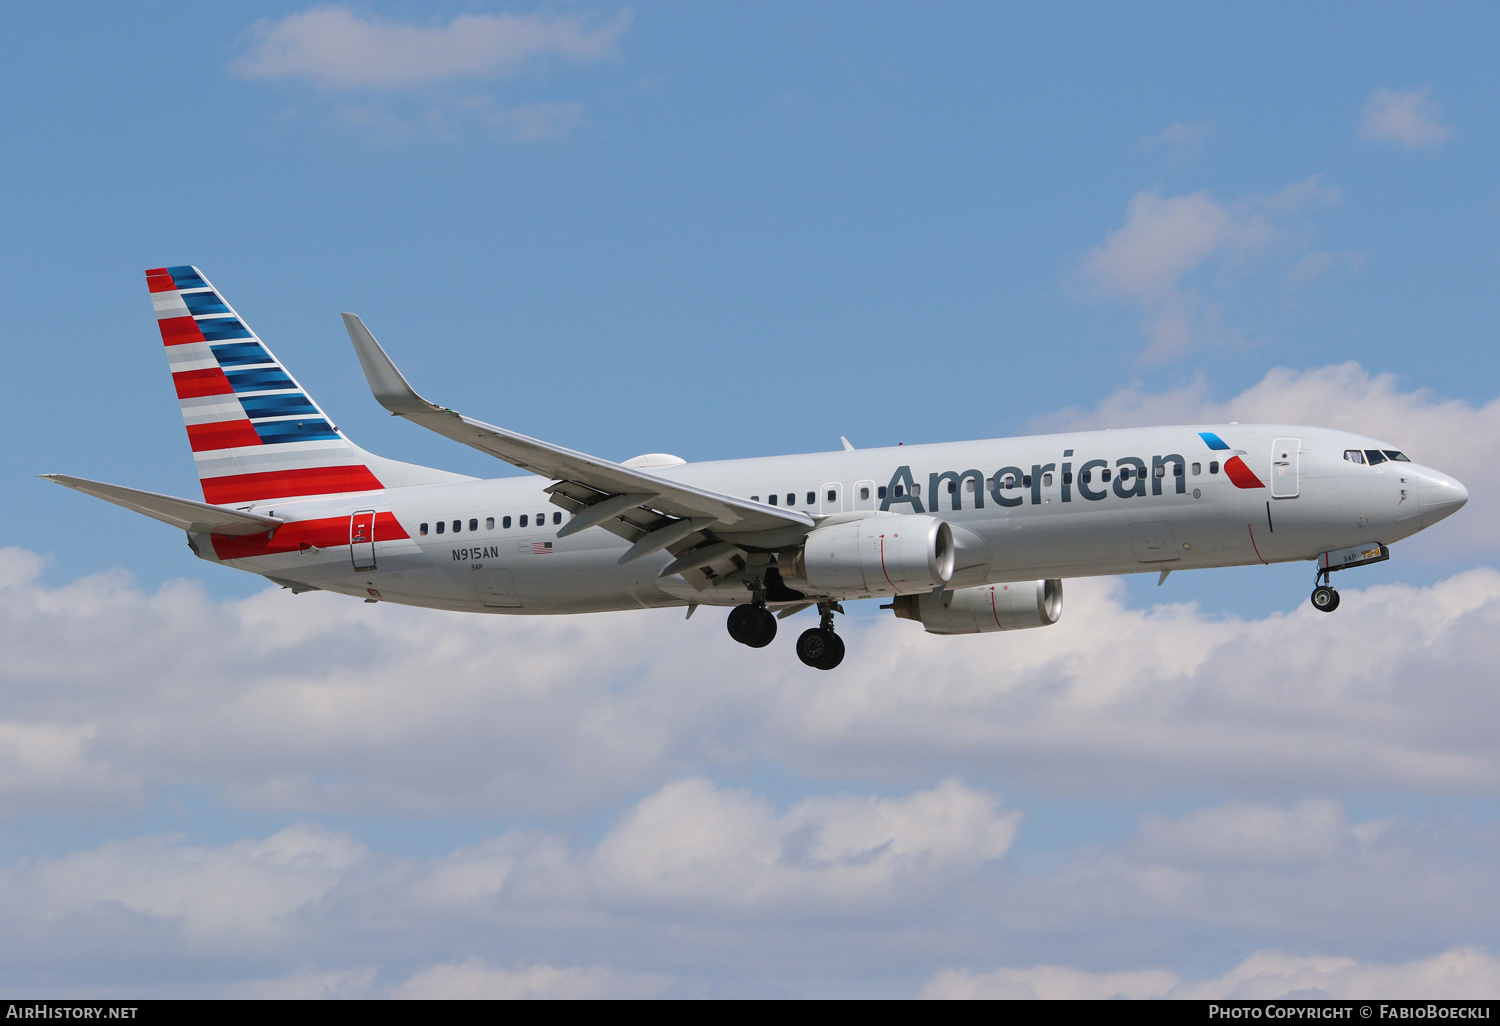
x=255 y=433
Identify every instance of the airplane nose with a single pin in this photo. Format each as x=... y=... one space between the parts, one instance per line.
x=1438 y=496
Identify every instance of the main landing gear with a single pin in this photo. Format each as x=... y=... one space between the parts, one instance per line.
x=754 y=625
x=1324 y=598
x=818 y=646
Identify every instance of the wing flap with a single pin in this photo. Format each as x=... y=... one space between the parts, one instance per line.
x=197 y=517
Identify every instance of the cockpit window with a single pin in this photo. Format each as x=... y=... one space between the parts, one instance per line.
x=1374 y=456
x=1354 y=456
x=1399 y=457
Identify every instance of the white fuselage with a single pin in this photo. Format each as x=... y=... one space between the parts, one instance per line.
x=1051 y=523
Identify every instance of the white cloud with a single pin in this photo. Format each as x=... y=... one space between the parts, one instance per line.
x=1404 y=117
x=1448 y=434
x=336 y=47
x=315 y=704
x=696 y=883
x=1181 y=140
x=1241 y=834
x=399 y=81
x=693 y=844
x=239 y=895
x=1166 y=240
x=475 y=980
x=1462 y=974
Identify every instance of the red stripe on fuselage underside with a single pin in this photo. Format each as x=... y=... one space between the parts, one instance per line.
x=1241 y=475
x=225 y=434
x=158 y=280
x=293 y=537
x=280 y=484
x=176 y=331
x=195 y=383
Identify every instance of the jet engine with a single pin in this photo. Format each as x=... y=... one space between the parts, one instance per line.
x=875 y=555
x=990 y=607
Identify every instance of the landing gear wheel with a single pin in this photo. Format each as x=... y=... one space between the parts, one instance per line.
x=821 y=649
x=751 y=625
x=1325 y=599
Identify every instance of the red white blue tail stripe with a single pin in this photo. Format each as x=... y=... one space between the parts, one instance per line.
x=255 y=433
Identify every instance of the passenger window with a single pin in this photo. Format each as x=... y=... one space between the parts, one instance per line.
x=1197 y=469
x=1125 y=473
x=791 y=498
x=458 y=525
x=422 y=529
x=1104 y=474
x=505 y=523
x=1213 y=466
x=489 y=523
x=900 y=491
x=557 y=518
x=1010 y=480
x=989 y=483
x=439 y=527
x=1026 y=480
x=1067 y=477
x=772 y=499
x=1087 y=477
x=880 y=492
x=755 y=498
x=1374 y=456
x=916 y=489
x=523 y=519
x=952 y=487
x=474 y=525
x=1160 y=470
x=1399 y=457
x=864 y=493
x=541 y=520
x=1177 y=470
x=812 y=497
x=1046 y=480
x=969 y=485
x=833 y=496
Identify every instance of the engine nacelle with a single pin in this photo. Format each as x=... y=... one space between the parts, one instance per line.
x=879 y=555
x=989 y=607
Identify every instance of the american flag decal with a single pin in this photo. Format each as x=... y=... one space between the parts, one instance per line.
x=541 y=548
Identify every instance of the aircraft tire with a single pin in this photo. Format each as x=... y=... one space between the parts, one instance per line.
x=1325 y=599
x=820 y=649
x=767 y=629
x=746 y=625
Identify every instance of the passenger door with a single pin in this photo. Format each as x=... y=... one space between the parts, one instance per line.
x=864 y=495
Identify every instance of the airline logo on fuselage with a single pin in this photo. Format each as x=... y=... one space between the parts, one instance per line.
x=1095 y=480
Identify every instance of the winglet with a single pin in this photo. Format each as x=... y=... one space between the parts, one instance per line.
x=391 y=389
x=847 y=446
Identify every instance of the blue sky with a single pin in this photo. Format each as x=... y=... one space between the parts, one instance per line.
x=726 y=230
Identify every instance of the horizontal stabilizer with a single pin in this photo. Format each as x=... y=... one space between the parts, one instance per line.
x=196 y=517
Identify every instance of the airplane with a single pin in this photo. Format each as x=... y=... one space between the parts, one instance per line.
x=962 y=537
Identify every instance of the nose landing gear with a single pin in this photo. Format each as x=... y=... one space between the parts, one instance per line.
x=819 y=647
x=1324 y=598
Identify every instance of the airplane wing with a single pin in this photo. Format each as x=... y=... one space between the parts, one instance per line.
x=651 y=511
x=198 y=517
